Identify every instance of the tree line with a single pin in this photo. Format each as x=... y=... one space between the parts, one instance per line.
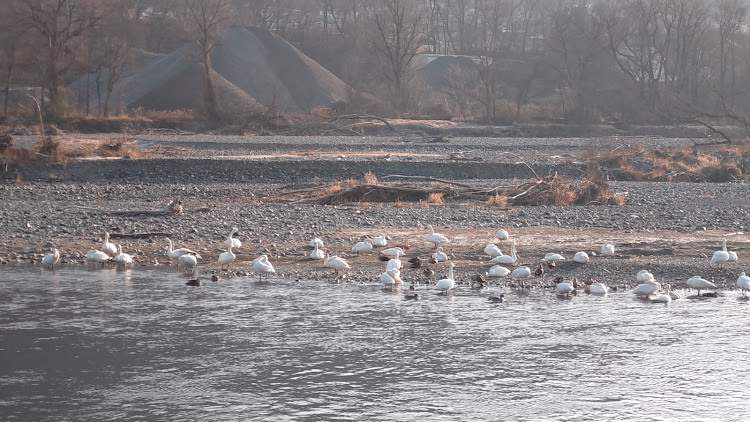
x=633 y=61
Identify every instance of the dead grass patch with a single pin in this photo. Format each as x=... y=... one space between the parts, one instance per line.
x=64 y=149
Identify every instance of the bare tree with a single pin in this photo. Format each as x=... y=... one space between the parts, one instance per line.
x=12 y=30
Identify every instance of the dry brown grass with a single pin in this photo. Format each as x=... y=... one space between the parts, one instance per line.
x=497 y=200
x=64 y=149
x=434 y=199
x=370 y=178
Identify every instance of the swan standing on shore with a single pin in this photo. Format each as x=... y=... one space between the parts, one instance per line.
x=743 y=282
x=380 y=241
x=188 y=262
x=498 y=271
x=97 y=257
x=440 y=256
x=608 y=249
x=699 y=284
x=502 y=234
x=317 y=254
x=521 y=272
x=177 y=253
x=492 y=250
x=122 y=258
x=731 y=255
x=336 y=263
x=446 y=284
x=581 y=257
x=53 y=258
x=107 y=247
x=722 y=256
x=227 y=257
x=236 y=244
x=435 y=238
x=507 y=259
x=564 y=288
x=262 y=266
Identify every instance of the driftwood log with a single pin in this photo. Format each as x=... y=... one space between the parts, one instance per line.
x=174 y=207
x=138 y=235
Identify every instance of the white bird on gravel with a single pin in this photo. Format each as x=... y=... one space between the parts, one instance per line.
x=665 y=297
x=380 y=241
x=699 y=284
x=644 y=276
x=365 y=246
x=176 y=253
x=507 y=259
x=393 y=264
x=122 y=258
x=435 y=238
x=393 y=252
x=521 y=272
x=446 y=284
x=188 y=262
x=581 y=257
x=646 y=288
x=554 y=257
x=317 y=254
x=492 y=250
x=53 y=258
x=440 y=256
x=743 y=282
x=107 y=247
x=498 y=271
x=565 y=287
x=227 y=257
x=722 y=256
x=262 y=266
x=316 y=242
x=608 y=249
x=97 y=257
x=502 y=234
x=336 y=263
x=598 y=289
x=236 y=244
x=732 y=256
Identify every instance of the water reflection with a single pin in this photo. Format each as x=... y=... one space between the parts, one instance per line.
x=106 y=344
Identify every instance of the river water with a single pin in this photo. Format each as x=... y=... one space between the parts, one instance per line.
x=79 y=344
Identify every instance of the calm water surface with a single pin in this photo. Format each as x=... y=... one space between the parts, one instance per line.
x=139 y=344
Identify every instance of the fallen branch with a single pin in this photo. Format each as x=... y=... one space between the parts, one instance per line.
x=138 y=235
x=428 y=179
x=362 y=117
x=174 y=207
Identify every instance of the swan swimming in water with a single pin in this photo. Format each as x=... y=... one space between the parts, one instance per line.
x=492 y=250
x=608 y=249
x=53 y=258
x=435 y=238
x=236 y=244
x=598 y=289
x=507 y=259
x=581 y=257
x=317 y=254
x=699 y=284
x=722 y=256
x=440 y=256
x=262 y=266
x=647 y=287
x=502 y=234
x=227 y=257
x=743 y=282
x=498 y=271
x=176 y=253
x=122 y=258
x=107 y=247
x=664 y=297
x=446 y=284
x=188 y=262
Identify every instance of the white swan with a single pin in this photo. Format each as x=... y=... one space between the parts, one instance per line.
x=581 y=257
x=262 y=266
x=97 y=257
x=53 y=258
x=722 y=256
x=188 y=262
x=387 y=280
x=380 y=241
x=492 y=250
x=393 y=252
x=598 y=289
x=608 y=249
x=227 y=257
x=440 y=256
x=674 y=295
x=554 y=257
x=521 y=272
x=393 y=263
x=731 y=255
x=236 y=244
x=743 y=282
x=644 y=276
x=445 y=284
x=699 y=284
x=108 y=248
x=646 y=288
x=365 y=246
x=435 y=238
x=336 y=263
x=317 y=254
x=316 y=242
x=664 y=297
x=565 y=287
x=507 y=259
x=502 y=234
x=498 y=271
x=176 y=253
x=122 y=258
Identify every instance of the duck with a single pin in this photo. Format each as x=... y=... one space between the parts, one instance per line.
x=53 y=258
x=664 y=297
x=502 y=234
x=492 y=250
x=743 y=282
x=608 y=249
x=415 y=263
x=644 y=276
x=122 y=258
x=236 y=244
x=440 y=256
x=551 y=265
x=428 y=273
x=316 y=242
x=176 y=253
x=539 y=271
x=722 y=256
x=564 y=288
x=364 y=246
x=380 y=241
x=411 y=295
x=391 y=252
x=336 y=263
x=194 y=282
x=497 y=299
x=598 y=289
x=435 y=238
x=554 y=257
x=698 y=283
x=581 y=257
x=227 y=257
x=188 y=262
x=521 y=272
x=446 y=284
x=498 y=271
x=262 y=266
x=97 y=257
x=317 y=254
x=107 y=247
x=646 y=288
x=507 y=259
x=478 y=281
